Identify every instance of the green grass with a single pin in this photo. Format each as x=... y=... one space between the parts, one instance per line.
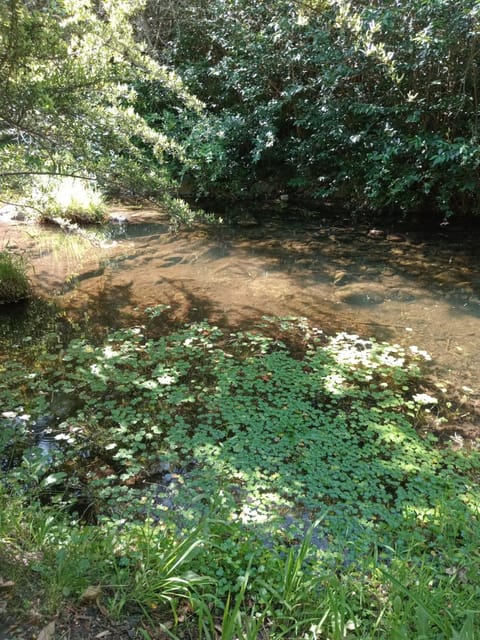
x=272 y=484
x=14 y=281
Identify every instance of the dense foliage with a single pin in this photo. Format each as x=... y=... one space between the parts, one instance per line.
x=67 y=103
x=296 y=461
x=373 y=105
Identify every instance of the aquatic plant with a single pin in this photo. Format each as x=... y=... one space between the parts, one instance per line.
x=298 y=459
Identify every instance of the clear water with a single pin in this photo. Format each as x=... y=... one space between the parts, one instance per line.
x=414 y=288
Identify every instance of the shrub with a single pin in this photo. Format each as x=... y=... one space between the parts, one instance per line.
x=370 y=104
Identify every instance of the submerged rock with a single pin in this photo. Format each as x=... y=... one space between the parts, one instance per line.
x=361 y=294
x=245 y=220
x=395 y=237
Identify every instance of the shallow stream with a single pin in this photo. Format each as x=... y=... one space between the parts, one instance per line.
x=413 y=287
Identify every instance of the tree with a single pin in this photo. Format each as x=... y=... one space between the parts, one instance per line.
x=68 y=71
x=371 y=103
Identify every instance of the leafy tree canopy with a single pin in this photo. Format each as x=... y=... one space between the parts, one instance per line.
x=68 y=101
x=374 y=104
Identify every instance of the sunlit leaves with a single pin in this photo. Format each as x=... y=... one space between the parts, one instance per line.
x=373 y=104
x=69 y=103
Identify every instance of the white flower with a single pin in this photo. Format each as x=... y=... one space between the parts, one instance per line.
x=424 y=398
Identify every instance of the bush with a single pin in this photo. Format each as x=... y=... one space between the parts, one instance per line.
x=14 y=282
x=371 y=104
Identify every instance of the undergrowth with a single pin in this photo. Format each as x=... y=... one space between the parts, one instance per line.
x=239 y=485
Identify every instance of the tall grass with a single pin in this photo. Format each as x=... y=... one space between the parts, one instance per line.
x=48 y=557
x=14 y=281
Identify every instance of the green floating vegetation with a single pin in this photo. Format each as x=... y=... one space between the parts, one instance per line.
x=324 y=510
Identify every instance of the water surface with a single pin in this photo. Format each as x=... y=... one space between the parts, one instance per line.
x=420 y=288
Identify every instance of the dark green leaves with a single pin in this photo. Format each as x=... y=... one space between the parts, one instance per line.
x=333 y=431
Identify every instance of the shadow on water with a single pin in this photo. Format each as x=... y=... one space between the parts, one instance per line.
x=122 y=230
x=33 y=323
x=413 y=287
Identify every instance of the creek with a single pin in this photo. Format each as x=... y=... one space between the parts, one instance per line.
x=411 y=287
